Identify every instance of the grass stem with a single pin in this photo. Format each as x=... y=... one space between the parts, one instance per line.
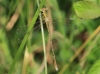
x=25 y=38
x=43 y=39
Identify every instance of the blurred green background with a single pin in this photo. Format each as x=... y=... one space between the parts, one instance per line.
x=76 y=41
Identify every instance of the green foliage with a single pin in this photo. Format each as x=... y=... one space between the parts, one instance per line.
x=87 y=9
x=95 y=69
x=76 y=41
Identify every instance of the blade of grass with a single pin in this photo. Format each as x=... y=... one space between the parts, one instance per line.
x=43 y=39
x=79 y=50
x=25 y=38
x=27 y=48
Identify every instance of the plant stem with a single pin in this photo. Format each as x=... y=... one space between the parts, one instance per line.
x=79 y=50
x=25 y=37
x=43 y=39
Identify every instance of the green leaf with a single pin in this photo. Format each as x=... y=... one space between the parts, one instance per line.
x=87 y=9
x=95 y=69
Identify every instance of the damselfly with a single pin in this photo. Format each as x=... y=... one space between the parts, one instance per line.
x=47 y=20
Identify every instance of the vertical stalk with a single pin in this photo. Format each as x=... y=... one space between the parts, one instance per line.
x=18 y=53
x=43 y=39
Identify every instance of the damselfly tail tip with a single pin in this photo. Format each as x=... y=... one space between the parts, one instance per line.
x=56 y=69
